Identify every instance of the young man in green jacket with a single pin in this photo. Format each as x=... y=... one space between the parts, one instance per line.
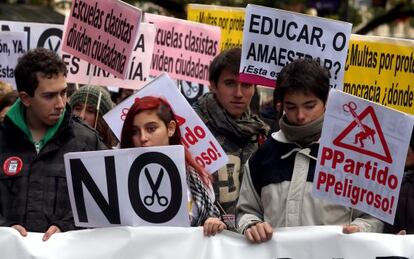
x=37 y=131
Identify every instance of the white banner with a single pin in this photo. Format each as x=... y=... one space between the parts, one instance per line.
x=273 y=38
x=79 y=71
x=362 y=153
x=12 y=46
x=325 y=242
x=129 y=187
x=195 y=135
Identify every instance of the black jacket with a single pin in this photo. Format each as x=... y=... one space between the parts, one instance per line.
x=37 y=196
x=404 y=217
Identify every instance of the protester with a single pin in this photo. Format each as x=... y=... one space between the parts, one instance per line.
x=91 y=103
x=276 y=188
x=151 y=122
x=404 y=216
x=225 y=110
x=37 y=131
x=6 y=102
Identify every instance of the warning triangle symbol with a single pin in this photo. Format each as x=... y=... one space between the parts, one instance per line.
x=180 y=120
x=364 y=133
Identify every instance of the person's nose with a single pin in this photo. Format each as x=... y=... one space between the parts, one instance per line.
x=238 y=91
x=143 y=137
x=60 y=102
x=301 y=116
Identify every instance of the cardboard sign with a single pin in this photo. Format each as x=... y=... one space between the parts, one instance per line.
x=230 y=19
x=12 y=46
x=381 y=70
x=138 y=70
x=183 y=49
x=103 y=33
x=79 y=71
x=129 y=187
x=273 y=38
x=362 y=153
x=195 y=135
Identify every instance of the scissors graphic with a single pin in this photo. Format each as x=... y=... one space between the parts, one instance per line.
x=366 y=132
x=191 y=89
x=149 y=200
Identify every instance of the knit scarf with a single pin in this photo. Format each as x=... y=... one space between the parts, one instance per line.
x=302 y=135
x=205 y=205
x=244 y=129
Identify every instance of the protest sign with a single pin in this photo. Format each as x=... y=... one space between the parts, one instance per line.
x=205 y=149
x=183 y=49
x=80 y=71
x=230 y=19
x=381 y=69
x=132 y=187
x=138 y=70
x=12 y=46
x=362 y=153
x=103 y=33
x=273 y=38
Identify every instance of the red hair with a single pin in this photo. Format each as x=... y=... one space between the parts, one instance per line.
x=165 y=113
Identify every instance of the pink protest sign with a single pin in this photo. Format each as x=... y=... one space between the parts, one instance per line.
x=103 y=33
x=183 y=49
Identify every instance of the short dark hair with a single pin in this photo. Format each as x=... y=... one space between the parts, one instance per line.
x=39 y=60
x=305 y=75
x=228 y=59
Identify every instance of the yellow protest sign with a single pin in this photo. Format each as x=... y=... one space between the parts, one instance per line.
x=230 y=19
x=381 y=70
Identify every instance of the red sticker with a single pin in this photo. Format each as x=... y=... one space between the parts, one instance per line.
x=12 y=166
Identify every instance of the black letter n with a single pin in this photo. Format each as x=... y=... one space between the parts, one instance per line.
x=81 y=175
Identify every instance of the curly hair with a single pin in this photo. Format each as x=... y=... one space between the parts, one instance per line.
x=39 y=61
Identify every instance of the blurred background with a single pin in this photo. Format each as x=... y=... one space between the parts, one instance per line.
x=393 y=18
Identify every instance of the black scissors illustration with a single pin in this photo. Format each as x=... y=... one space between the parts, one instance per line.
x=149 y=200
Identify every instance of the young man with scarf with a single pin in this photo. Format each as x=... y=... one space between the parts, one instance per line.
x=226 y=112
x=37 y=131
x=277 y=184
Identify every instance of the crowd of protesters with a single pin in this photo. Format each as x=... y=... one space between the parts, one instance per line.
x=266 y=184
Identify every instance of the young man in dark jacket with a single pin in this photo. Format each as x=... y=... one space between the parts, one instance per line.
x=226 y=112
x=37 y=131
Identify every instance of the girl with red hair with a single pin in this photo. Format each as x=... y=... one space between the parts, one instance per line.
x=151 y=122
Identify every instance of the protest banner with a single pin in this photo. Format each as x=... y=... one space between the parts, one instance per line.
x=183 y=49
x=140 y=186
x=362 y=153
x=137 y=76
x=103 y=33
x=273 y=38
x=381 y=70
x=12 y=46
x=230 y=19
x=205 y=149
x=80 y=71
x=162 y=242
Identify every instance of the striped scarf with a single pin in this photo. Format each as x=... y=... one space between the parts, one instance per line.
x=201 y=198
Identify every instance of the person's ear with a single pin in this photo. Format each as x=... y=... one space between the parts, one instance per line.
x=213 y=86
x=25 y=98
x=171 y=127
